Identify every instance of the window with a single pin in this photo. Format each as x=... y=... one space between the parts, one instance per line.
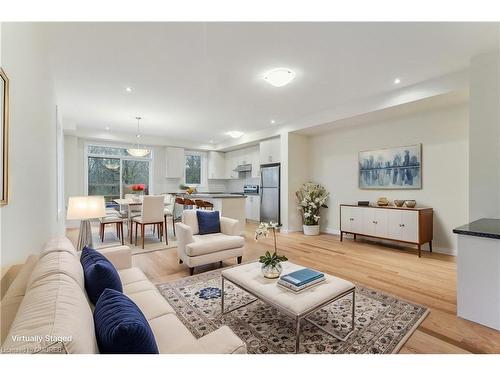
x=112 y=172
x=193 y=169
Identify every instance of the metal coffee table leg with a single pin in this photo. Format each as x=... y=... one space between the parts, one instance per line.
x=352 y=320
x=237 y=307
x=297 y=334
x=222 y=296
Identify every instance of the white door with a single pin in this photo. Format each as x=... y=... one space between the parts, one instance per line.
x=409 y=226
x=380 y=219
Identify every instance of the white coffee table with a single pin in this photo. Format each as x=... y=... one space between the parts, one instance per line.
x=296 y=305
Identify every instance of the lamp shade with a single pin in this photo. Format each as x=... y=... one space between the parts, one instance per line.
x=88 y=207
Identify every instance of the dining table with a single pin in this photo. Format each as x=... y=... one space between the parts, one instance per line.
x=127 y=204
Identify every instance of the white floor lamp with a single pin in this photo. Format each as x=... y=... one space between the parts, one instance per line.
x=84 y=209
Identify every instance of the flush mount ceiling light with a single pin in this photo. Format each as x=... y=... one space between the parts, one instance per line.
x=279 y=77
x=397 y=81
x=273 y=122
x=235 y=134
x=128 y=89
x=137 y=150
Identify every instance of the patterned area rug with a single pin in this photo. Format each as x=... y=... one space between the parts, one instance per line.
x=383 y=322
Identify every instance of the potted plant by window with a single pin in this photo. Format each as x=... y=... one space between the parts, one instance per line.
x=271 y=263
x=311 y=198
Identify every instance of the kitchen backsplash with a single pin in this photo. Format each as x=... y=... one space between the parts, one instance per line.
x=236 y=186
x=171 y=185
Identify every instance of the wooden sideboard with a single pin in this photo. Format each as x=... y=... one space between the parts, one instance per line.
x=408 y=225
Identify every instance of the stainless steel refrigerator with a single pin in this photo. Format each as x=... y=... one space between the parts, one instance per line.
x=270 y=193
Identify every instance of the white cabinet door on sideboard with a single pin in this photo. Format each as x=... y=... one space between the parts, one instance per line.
x=351 y=219
x=391 y=223
x=374 y=222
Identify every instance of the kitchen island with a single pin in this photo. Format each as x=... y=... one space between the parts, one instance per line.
x=229 y=205
x=478 y=272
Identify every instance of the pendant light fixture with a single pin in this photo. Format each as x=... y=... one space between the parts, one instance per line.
x=112 y=165
x=137 y=150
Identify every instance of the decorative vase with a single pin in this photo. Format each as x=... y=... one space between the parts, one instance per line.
x=311 y=230
x=411 y=203
x=271 y=272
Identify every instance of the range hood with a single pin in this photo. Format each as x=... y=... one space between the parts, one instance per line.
x=243 y=168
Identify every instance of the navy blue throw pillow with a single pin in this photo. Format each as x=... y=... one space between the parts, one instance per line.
x=120 y=326
x=208 y=221
x=99 y=274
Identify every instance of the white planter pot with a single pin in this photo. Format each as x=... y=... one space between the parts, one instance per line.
x=311 y=230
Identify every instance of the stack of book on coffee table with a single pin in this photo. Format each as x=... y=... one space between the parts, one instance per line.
x=302 y=279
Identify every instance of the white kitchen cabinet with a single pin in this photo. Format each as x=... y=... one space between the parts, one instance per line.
x=216 y=165
x=270 y=151
x=408 y=225
x=252 y=207
x=231 y=164
x=255 y=161
x=175 y=162
x=242 y=156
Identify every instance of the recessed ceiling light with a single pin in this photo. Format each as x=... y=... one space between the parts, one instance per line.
x=279 y=77
x=211 y=141
x=138 y=136
x=397 y=81
x=128 y=89
x=107 y=128
x=273 y=122
x=234 y=134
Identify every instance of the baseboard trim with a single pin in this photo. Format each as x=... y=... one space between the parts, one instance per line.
x=435 y=249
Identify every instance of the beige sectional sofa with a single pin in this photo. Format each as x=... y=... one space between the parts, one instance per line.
x=45 y=309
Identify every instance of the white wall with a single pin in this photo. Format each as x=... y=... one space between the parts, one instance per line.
x=30 y=218
x=444 y=137
x=298 y=173
x=484 y=137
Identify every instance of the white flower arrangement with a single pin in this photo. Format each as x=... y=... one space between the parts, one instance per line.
x=311 y=198
x=269 y=259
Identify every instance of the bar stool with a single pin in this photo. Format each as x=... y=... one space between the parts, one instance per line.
x=189 y=203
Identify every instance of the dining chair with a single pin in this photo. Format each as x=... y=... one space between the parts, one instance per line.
x=152 y=213
x=135 y=210
x=168 y=211
x=111 y=219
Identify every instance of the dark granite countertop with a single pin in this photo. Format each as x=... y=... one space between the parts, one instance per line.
x=488 y=228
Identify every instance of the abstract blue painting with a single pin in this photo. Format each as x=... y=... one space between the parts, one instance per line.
x=393 y=168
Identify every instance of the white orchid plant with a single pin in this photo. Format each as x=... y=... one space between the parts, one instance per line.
x=269 y=259
x=311 y=198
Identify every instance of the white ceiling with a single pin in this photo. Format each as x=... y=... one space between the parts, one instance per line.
x=196 y=81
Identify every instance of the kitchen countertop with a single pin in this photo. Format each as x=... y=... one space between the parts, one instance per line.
x=487 y=228
x=215 y=196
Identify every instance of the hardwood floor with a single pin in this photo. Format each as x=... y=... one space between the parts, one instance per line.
x=430 y=281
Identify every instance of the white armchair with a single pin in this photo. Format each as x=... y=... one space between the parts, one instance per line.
x=195 y=250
